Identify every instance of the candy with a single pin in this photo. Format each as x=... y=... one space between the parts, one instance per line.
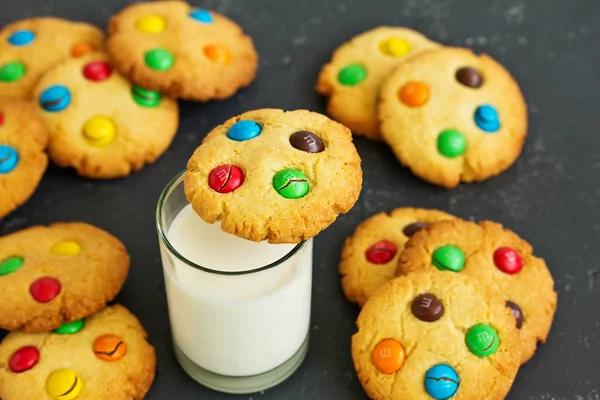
x=291 y=183
x=65 y=248
x=244 y=130
x=307 y=141
x=64 y=384
x=151 y=24
x=55 y=98
x=517 y=312
x=441 y=382
x=99 y=131
x=508 y=260
x=45 y=289
x=1 y=118
x=225 y=178
x=448 y=258
x=9 y=158
x=110 y=347
x=97 y=71
x=394 y=47
x=414 y=94
x=146 y=98
x=482 y=340
x=21 y=38
x=81 y=49
x=388 y=356
x=202 y=16
x=159 y=59
x=10 y=265
x=427 y=307
x=451 y=143
x=12 y=71
x=218 y=54
x=487 y=119
x=70 y=327
x=24 y=359
x=352 y=75
x=469 y=77
x=413 y=228
x=381 y=252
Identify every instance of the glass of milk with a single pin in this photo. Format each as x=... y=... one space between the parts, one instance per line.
x=239 y=310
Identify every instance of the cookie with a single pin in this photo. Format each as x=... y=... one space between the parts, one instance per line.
x=170 y=47
x=435 y=335
x=30 y=47
x=357 y=69
x=497 y=258
x=99 y=123
x=104 y=357
x=274 y=175
x=370 y=256
x=452 y=116
x=23 y=139
x=57 y=274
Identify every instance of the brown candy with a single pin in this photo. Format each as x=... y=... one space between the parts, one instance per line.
x=307 y=141
x=427 y=307
x=413 y=228
x=517 y=312
x=469 y=77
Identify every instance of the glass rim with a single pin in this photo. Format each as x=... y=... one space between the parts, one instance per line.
x=166 y=192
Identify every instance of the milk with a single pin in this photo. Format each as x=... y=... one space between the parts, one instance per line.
x=235 y=325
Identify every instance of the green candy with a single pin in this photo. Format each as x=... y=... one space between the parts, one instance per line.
x=70 y=328
x=451 y=143
x=146 y=98
x=291 y=183
x=159 y=59
x=482 y=340
x=10 y=265
x=448 y=258
x=352 y=75
x=12 y=72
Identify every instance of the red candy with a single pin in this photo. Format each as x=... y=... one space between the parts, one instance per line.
x=508 y=260
x=225 y=178
x=24 y=359
x=381 y=252
x=1 y=118
x=45 y=289
x=97 y=71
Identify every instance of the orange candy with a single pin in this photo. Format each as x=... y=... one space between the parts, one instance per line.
x=388 y=356
x=218 y=54
x=414 y=94
x=110 y=347
x=81 y=48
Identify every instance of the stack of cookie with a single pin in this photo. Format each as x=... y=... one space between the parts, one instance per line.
x=64 y=342
x=450 y=308
x=107 y=106
x=449 y=115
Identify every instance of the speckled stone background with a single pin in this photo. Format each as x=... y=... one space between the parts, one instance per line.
x=551 y=196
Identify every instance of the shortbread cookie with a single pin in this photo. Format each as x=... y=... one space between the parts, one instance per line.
x=99 y=123
x=56 y=274
x=23 y=139
x=452 y=116
x=274 y=175
x=370 y=256
x=435 y=335
x=497 y=258
x=170 y=47
x=30 y=47
x=104 y=357
x=358 y=68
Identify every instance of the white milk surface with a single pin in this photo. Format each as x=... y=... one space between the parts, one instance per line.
x=235 y=325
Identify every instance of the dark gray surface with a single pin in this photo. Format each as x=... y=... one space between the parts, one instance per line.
x=550 y=197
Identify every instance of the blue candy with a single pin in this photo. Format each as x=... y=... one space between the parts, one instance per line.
x=486 y=118
x=441 y=382
x=244 y=130
x=8 y=159
x=55 y=98
x=21 y=38
x=202 y=16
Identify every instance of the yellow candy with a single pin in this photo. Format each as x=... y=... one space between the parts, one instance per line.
x=395 y=47
x=99 y=131
x=151 y=24
x=66 y=248
x=64 y=384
